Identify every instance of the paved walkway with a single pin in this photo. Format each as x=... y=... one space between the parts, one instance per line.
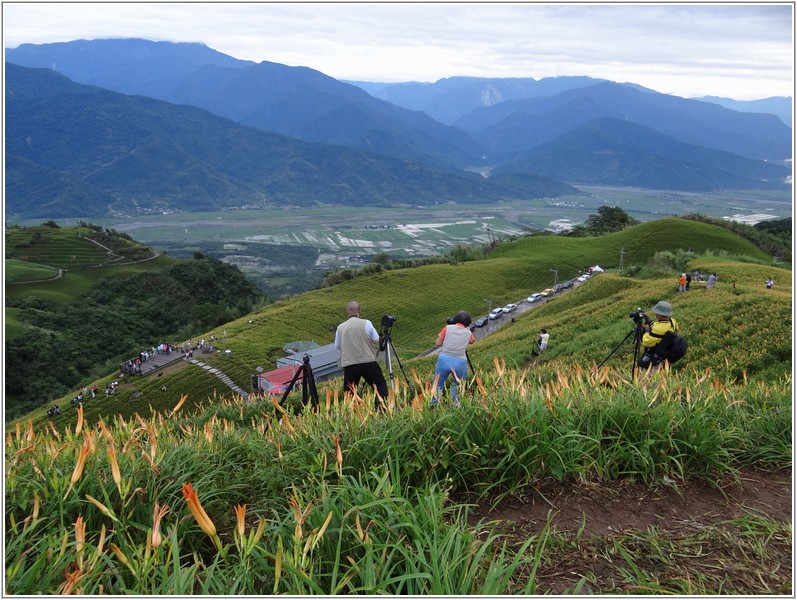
x=159 y=361
x=222 y=376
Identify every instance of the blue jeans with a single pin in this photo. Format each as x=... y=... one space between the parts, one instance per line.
x=448 y=365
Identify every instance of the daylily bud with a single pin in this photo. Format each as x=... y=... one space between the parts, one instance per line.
x=199 y=513
x=240 y=513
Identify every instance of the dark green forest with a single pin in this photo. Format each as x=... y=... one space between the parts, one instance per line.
x=291 y=269
x=65 y=345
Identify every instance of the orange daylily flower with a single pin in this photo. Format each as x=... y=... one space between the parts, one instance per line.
x=115 y=472
x=79 y=424
x=80 y=538
x=199 y=513
x=72 y=579
x=77 y=472
x=240 y=514
x=103 y=509
x=179 y=405
x=338 y=452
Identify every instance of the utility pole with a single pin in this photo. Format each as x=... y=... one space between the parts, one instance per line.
x=622 y=252
x=555 y=272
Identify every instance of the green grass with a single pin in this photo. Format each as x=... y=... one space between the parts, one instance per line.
x=58 y=248
x=13 y=326
x=19 y=271
x=639 y=243
x=585 y=324
x=141 y=395
x=38 y=252
x=350 y=501
x=77 y=282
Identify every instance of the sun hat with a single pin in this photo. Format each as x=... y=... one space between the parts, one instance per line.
x=663 y=308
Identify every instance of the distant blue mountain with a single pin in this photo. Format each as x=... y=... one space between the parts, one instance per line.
x=80 y=151
x=295 y=101
x=609 y=151
x=488 y=123
x=520 y=125
x=780 y=106
x=129 y=66
x=447 y=100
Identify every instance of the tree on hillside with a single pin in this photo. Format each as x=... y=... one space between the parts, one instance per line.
x=608 y=220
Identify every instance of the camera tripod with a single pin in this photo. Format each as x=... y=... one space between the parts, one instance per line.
x=636 y=331
x=387 y=346
x=305 y=371
x=470 y=385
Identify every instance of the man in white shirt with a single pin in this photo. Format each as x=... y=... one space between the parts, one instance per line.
x=358 y=342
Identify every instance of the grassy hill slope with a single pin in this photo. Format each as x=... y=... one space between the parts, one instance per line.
x=34 y=257
x=585 y=323
x=725 y=328
x=173 y=486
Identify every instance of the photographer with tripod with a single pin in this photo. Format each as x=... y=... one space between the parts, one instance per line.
x=453 y=342
x=653 y=338
x=358 y=342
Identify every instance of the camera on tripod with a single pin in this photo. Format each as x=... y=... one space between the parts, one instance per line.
x=387 y=324
x=639 y=317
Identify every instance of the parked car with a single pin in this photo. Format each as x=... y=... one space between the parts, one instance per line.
x=480 y=322
x=548 y=292
x=583 y=277
x=536 y=297
x=510 y=308
x=495 y=313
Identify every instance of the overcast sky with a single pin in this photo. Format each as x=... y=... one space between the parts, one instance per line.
x=732 y=50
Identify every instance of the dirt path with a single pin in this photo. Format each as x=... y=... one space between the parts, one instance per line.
x=603 y=509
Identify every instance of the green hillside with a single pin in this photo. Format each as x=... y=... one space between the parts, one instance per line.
x=18 y=271
x=586 y=323
x=72 y=248
x=174 y=486
x=639 y=243
x=115 y=298
x=74 y=284
x=60 y=265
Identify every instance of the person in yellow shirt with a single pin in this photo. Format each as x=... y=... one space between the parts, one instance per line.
x=653 y=340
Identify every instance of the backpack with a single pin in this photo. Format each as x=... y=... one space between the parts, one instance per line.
x=672 y=347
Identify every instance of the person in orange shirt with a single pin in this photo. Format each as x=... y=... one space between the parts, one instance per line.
x=682 y=283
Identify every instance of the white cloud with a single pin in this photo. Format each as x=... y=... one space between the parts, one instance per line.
x=740 y=51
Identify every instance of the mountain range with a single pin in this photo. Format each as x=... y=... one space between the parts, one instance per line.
x=79 y=150
x=184 y=127
x=450 y=99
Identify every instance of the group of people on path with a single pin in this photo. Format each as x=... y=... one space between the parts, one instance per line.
x=133 y=366
x=359 y=344
x=685 y=280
